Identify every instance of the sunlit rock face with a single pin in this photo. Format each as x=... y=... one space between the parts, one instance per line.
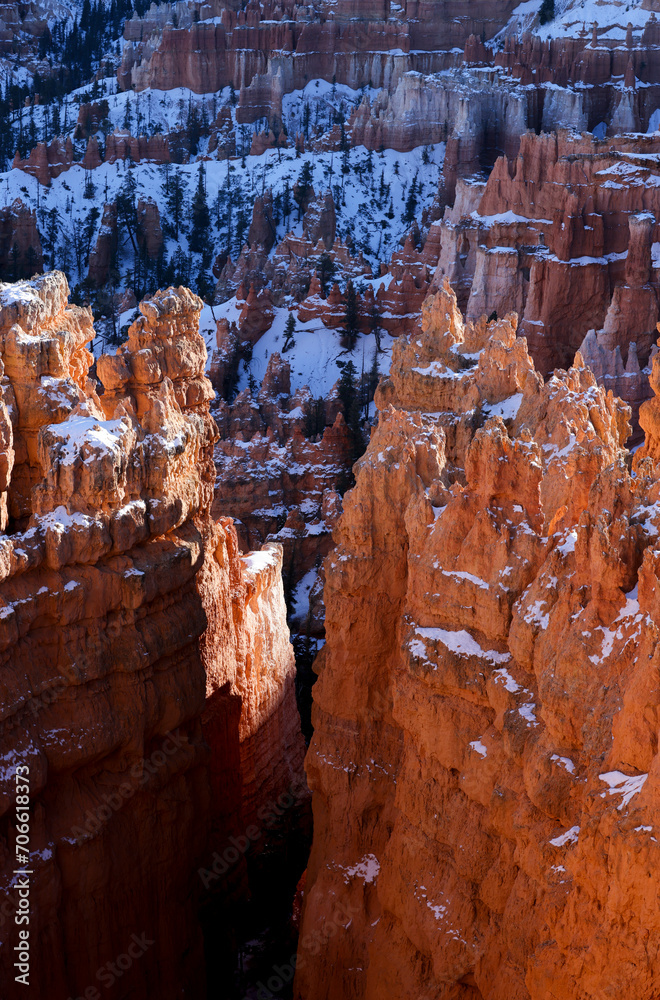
x=147 y=679
x=484 y=764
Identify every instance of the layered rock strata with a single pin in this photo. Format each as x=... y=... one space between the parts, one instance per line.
x=484 y=764
x=147 y=675
x=266 y=45
x=566 y=234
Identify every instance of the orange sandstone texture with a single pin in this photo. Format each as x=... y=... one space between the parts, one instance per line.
x=484 y=766
x=146 y=674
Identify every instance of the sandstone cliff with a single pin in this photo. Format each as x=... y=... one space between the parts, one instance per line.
x=485 y=764
x=147 y=674
x=566 y=234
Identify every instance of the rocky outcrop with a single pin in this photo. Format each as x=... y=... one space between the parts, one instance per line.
x=563 y=234
x=396 y=303
x=262 y=228
x=291 y=268
x=47 y=161
x=320 y=221
x=148 y=679
x=267 y=50
x=105 y=248
x=149 y=231
x=20 y=246
x=280 y=460
x=626 y=379
x=484 y=764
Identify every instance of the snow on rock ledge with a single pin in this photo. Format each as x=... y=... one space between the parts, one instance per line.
x=142 y=663
x=487 y=706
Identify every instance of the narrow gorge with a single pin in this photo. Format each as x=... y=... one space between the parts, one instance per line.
x=329 y=499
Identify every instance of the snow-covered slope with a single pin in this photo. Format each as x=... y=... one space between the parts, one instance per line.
x=575 y=16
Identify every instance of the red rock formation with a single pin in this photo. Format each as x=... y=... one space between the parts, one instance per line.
x=90 y=117
x=92 y=158
x=291 y=268
x=320 y=220
x=256 y=315
x=149 y=232
x=121 y=144
x=20 y=246
x=625 y=379
x=550 y=237
x=222 y=135
x=147 y=672
x=484 y=764
x=104 y=249
x=262 y=228
x=46 y=161
x=278 y=467
x=43 y=348
x=252 y=48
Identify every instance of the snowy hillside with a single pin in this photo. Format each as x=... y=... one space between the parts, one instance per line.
x=369 y=189
x=572 y=17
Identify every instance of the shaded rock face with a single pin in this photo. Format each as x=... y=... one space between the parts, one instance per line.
x=281 y=461
x=104 y=249
x=150 y=233
x=147 y=672
x=320 y=221
x=262 y=228
x=485 y=763
x=20 y=247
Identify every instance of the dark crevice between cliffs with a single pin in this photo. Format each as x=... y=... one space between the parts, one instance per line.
x=250 y=932
x=249 y=916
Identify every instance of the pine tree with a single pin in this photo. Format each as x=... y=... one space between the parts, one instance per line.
x=193 y=126
x=547 y=11
x=201 y=217
x=304 y=185
x=286 y=202
x=90 y=188
x=50 y=235
x=325 y=269
x=175 y=201
x=349 y=398
x=348 y=394
x=289 y=331
x=351 y=327
x=128 y=118
x=411 y=203
x=372 y=380
x=89 y=228
x=375 y=324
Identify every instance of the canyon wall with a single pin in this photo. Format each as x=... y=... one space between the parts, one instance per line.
x=147 y=674
x=288 y=44
x=484 y=765
x=566 y=234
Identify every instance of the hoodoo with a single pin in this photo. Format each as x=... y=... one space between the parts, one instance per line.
x=329 y=425
x=147 y=674
x=484 y=764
